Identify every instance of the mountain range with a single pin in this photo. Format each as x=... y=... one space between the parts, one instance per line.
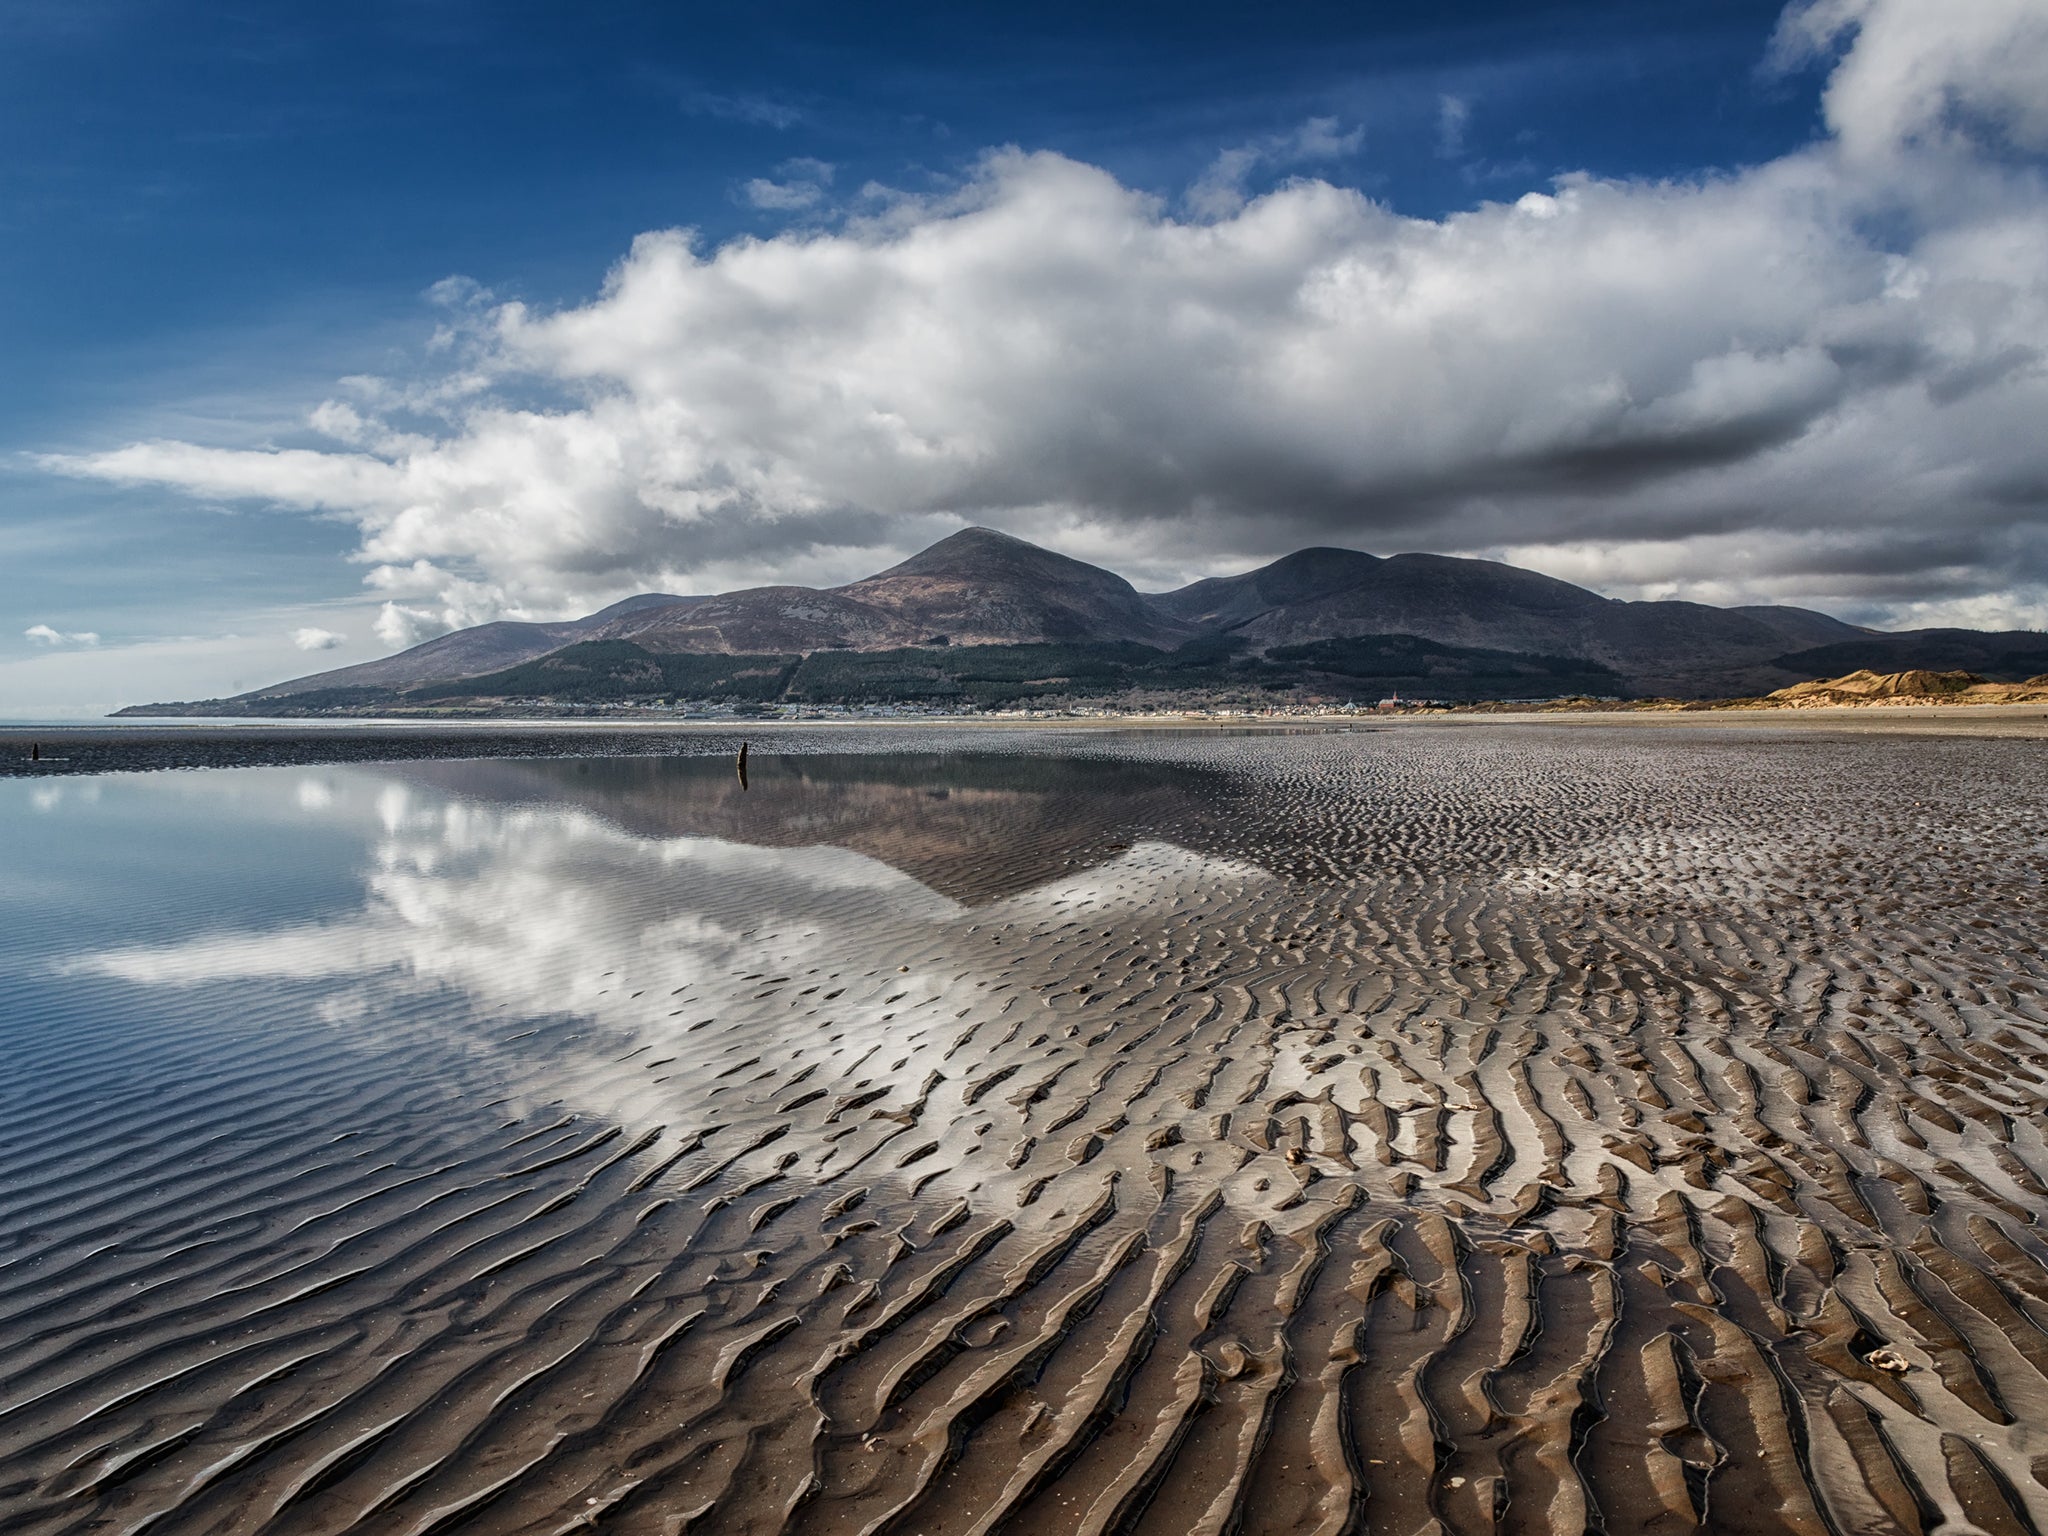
x=983 y=616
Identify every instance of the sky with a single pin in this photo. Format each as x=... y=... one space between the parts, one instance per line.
x=326 y=329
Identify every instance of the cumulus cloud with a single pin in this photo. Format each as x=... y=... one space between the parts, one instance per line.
x=782 y=196
x=400 y=625
x=1920 y=73
x=43 y=634
x=1819 y=378
x=312 y=638
x=804 y=184
x=1220 y=191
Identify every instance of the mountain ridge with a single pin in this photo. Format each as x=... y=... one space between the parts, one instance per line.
x=986 y=590
x=472 y=652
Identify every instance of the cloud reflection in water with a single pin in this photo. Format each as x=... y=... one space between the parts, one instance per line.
x=579 y=942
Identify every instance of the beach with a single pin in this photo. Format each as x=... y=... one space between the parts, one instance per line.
x=1462 y=1125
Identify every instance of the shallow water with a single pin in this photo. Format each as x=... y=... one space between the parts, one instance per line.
x=1467 y=1130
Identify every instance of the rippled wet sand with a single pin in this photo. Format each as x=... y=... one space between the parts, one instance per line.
x=1403 y=1131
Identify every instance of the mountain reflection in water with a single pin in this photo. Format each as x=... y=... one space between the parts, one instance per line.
x=969 y=827
x=669 y=915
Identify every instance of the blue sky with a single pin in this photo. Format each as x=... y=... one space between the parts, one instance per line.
x=219 y=217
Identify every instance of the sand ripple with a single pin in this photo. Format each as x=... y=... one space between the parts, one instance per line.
x=1408 y=1132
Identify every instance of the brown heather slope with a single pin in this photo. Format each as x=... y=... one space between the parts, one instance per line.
x=472 y=652
x=762 y=621
x=978 y=587
x=1322 y=593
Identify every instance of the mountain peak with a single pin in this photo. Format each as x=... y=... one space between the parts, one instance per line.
x=979 y=537
x=1304 y=576
x=982 y=553
x=983 y=587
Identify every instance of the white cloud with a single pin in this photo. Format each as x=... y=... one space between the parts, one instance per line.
x=43 y=634
x=1452 y=114
x=1826 y=372
x=1221 y=190
x=400 y=626
x=782 y=196
x=804 y=184
x=1926 y=73
x=312 y=638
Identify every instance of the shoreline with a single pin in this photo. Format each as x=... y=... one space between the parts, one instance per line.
x=119 y=748
x=1888 y=714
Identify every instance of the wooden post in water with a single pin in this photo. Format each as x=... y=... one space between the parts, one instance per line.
x=743 y=765
x=35 y=751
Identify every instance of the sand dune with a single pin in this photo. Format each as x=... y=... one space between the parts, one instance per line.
x=1914 y=687
x=1452 y=1131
